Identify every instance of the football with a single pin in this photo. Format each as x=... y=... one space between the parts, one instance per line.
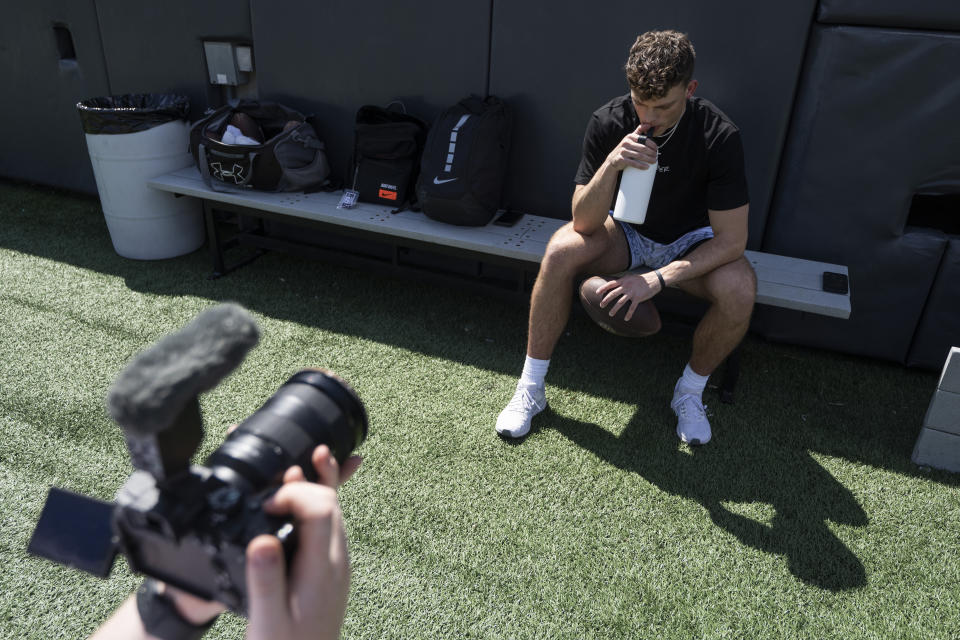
x=645 y=320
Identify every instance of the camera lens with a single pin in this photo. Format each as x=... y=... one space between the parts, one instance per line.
x=313 y=407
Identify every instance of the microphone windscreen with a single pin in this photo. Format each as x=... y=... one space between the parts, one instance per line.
x=157 y=384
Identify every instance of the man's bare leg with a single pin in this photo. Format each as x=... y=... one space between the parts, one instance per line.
x=731 y=291
x=568 y=255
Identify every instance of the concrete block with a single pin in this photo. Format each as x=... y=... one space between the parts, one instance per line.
x=950 y=378
x=937 y=449
x=943 y=414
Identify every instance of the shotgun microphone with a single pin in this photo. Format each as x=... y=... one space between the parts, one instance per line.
x=154 y=398
x=158 y=383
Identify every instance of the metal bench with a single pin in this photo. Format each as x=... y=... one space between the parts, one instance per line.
x=782 y=281
x=521 y=246
x=792 y=283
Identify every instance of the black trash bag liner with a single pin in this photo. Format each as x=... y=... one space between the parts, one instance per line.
x=132 y=112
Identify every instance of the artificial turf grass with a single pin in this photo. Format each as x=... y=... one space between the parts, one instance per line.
x=804 y=518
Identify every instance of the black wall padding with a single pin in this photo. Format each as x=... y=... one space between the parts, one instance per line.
x=875 y=123
x=156 y=47
x=934 y=15
x=939 y=327
x=330 y=58
x=42 y=140
x=890 y=282
x=557 y=62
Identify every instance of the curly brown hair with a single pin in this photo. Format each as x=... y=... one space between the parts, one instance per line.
x=659 y=61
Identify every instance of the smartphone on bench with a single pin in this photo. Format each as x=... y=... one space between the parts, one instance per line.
x=835 y=282
x=508 y=218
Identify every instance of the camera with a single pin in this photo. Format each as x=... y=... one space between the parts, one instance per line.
x=189 y=525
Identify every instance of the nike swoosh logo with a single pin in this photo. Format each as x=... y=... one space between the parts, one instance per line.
x=437 y=180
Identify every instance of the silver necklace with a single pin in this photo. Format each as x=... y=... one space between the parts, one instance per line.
x=673 y=130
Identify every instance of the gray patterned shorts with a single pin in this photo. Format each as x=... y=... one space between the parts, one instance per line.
x=646 y=252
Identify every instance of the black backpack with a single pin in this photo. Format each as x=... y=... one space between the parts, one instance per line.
x=465 y=161
x=386 y=155
x=288 y=154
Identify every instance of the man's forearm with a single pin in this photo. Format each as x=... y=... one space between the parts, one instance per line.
x=591 y=203
x=713 y=253
x=124 y=624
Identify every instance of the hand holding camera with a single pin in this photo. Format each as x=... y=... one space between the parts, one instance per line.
x=226 y=530
x=307 y=599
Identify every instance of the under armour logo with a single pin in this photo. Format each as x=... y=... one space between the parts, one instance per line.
x=235 y=172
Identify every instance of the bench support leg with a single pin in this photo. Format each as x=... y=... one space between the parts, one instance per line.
x=731 y=371
x=213 y=241
x=218 y=244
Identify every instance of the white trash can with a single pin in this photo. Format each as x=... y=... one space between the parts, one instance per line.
x=144 y=223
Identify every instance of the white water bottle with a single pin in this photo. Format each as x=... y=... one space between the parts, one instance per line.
x=634 y=195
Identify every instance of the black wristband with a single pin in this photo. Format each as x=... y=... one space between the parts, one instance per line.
x=160 y=616
x=663 y=285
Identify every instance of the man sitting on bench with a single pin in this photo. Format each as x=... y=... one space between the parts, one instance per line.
x=693 y=237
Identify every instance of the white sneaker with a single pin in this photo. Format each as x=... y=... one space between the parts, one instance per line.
x=527 y=401
x=692 y=424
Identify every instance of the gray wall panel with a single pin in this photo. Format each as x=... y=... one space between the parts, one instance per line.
x=331 y=58
x=558 y=62
x=42 y=138
x=157 y=48
x=121 y=47
x=916 y=14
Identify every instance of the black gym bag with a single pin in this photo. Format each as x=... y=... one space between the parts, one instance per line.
x=288 y=156
x=465 y=161
x=386 y=154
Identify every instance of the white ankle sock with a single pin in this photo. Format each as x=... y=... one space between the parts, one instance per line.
x=693 y=382
x=534 y=371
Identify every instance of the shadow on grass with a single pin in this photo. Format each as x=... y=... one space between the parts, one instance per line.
x=738 y=471
x=490 y=334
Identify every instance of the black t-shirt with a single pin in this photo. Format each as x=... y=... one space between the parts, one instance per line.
x=700 y=166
